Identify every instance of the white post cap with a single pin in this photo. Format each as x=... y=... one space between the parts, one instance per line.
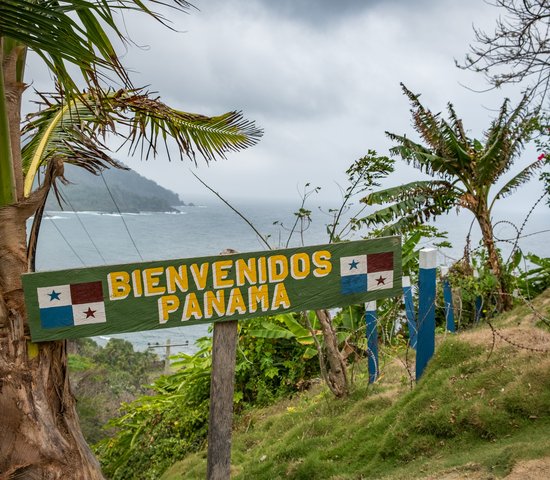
x=370 y=306
x=406 y=281
x=444 y=270
x=428 y=258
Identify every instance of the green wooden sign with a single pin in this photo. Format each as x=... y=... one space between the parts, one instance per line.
x=146 y=296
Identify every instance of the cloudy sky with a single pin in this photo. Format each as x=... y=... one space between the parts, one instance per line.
x=320 y=77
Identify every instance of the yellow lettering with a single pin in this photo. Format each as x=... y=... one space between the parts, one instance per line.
x=214 y=301
x=258 y=295
x=167 y=305
x=200 y=274
x=321 y=260
x=136 y=282
x=191 y=307
x=220 y=271
x=151 y=281
x=262 y=267
x=176 y=278
x=246 y=272
x=236 y=302
x=280 y=297
x=300 y=265
x=119 y=285
x=278 y=268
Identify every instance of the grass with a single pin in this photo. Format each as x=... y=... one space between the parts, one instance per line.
x=479 y=409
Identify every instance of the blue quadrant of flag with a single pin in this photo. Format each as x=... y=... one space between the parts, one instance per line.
x=354 y=284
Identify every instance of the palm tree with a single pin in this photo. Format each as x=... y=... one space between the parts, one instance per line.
x=466 y=170
x=40 y=435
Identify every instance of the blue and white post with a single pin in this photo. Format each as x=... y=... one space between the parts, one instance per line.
x=409 y=311
x=448 y=300
x=478 y=302
x=425 y=345
x=372 y=340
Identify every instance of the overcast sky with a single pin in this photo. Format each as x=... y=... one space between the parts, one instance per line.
x=320 y=77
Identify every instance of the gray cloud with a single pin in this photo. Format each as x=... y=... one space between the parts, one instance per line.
x=322 y=78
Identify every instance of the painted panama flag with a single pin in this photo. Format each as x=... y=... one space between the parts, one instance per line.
x=70 y=305
x=366 y=273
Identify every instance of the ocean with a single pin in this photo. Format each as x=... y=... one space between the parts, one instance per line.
x=75 y=240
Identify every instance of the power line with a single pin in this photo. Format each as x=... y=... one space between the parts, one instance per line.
x=66 y=241
x=121 y=217
x=85 y=229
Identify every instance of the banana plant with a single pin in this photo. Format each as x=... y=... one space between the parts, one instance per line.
x=465 y=172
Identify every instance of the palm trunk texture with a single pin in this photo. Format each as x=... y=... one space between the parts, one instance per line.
x=40 y=435
x=504 y=299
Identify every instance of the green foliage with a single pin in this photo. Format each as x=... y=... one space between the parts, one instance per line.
x=102 y=378
x=155 y=430
x=536 y=279
x=470 y=408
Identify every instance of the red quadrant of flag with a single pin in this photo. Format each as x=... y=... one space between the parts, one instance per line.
x=379 y=262
x=89 y=292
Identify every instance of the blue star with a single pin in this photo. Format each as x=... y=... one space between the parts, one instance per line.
x=54 y=295
x=353 y=264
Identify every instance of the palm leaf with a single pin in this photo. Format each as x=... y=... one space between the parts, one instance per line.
x=74 y=31
x=413 y=204
x=519 y=179
x=74 y=131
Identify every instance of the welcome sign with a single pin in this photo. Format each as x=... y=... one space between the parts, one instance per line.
x=151 y=295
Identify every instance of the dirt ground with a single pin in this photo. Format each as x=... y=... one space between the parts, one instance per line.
x=538 y=469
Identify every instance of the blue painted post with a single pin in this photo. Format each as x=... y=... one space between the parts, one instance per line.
x=409 y=311
x=478 y=302
x=425 y=345
x=372 y=340
x=448 y=299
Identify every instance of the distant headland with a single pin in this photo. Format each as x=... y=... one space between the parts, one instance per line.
x=119 y=190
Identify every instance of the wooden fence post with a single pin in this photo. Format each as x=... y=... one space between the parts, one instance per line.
x=222 y=386
x=372 y=340
x=409 y=311
x=426 y=309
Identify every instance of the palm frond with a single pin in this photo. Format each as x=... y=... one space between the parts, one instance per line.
x=504 y=140
x=77 y=32
x=519 y=179
x=74 y=130
x=411 y=204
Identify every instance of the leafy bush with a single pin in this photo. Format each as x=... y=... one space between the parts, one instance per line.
x=156 y=430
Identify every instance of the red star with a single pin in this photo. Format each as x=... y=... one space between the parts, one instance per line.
x=90 y=313
x=380 y=280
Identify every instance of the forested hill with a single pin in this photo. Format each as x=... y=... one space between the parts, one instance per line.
x=132 y=192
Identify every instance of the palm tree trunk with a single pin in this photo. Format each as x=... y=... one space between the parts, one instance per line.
x=504 y=299
x=40 y=436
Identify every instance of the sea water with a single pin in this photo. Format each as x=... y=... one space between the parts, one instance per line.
x=75 y=240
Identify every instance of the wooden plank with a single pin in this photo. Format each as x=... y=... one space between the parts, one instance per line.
x=152 y=295
x=222 y=385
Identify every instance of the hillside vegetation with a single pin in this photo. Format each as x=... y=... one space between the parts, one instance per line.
x=481 y=411
x=132 y=192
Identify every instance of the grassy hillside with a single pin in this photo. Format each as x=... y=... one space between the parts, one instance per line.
x=481 y=411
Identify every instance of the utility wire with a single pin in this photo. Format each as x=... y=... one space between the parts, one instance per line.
x=66 y=241
x=121 y=217
x=66 y=198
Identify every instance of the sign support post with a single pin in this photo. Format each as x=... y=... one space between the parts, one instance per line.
x=222 y=385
